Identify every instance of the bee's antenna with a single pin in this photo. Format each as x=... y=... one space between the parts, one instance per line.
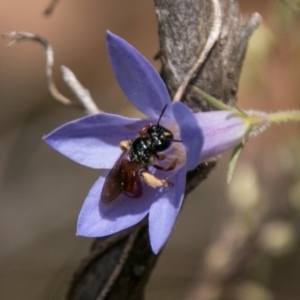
x=177 y=141
x=161 y=114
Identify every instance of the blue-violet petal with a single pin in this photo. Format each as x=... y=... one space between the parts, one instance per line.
x=164 y=211
x=190 y=133
x=94 y=140
x=97 y=219
x=138 y=79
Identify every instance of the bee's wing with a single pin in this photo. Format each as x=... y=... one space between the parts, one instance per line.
x=132 y=183
x=113 y=185
x=123 y=178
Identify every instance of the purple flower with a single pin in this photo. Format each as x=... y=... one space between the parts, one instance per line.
x=222 y=131
x=93 y=141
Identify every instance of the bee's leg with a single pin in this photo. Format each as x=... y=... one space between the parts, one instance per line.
x=171 y=167
x=125 y=145
x=153 y=181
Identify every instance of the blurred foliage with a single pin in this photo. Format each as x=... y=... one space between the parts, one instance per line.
x=271 y=69
x=251 y=256
x=262 y=43
x=285 y=14
x=252 y=291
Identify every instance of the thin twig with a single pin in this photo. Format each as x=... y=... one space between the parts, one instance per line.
x=96 y=253
x=17 y=36
x=82 y=94
x=50 y=8
x=119 y=266
x=213 y=37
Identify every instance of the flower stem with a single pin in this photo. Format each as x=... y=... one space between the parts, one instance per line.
x=284 y=116
x=213 y=101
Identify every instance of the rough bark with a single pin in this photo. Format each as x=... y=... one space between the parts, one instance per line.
x=119 y=266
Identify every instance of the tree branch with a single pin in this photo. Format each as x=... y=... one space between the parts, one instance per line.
x=184 y=29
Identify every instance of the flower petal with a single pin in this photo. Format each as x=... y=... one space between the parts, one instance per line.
x=190 y=133
x=164 y=211
x=98 y=219
x=137 y=77
x=222 y=130
x=93 y=141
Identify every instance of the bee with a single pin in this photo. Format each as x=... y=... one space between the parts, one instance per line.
x=132 y=167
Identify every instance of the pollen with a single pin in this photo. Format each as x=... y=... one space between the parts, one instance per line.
x=153 y=181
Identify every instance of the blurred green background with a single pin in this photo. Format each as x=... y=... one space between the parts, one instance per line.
x=240 y=241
